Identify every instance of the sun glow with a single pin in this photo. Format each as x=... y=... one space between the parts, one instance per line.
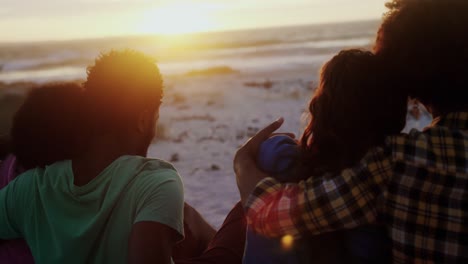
x=178 y=18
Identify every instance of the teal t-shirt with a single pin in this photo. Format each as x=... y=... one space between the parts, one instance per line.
x=64 y=223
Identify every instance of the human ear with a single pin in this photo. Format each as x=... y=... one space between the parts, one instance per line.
x=146 y=121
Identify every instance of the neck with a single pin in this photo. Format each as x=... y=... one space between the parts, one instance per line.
x=101 y=153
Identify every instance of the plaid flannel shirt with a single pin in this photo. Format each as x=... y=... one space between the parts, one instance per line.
x=417 y=185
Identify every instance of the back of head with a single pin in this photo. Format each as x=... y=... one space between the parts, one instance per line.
x=426 y=43
x=354 y=108
x=120 y=85
x=46 y=128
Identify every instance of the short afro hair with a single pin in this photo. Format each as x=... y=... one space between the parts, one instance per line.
x=426 y=43
x=120 y=84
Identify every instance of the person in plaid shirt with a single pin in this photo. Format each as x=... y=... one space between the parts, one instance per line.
x=416 y=183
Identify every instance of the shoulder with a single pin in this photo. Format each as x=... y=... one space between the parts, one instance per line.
x=147 y=164
x=152 y=172
x=27 y=178
x=432 y=147
x=411 y=148
x=21 y=191
x=158 y=193
x=53 y=174
x=408 y=145
x=160 y=168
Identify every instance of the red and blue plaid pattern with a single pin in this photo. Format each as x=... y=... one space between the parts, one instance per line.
x=417 y=184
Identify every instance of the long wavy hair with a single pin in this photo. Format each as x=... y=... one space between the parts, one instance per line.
x=356 y=105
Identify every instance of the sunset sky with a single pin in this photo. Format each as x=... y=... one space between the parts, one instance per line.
x=33 y=20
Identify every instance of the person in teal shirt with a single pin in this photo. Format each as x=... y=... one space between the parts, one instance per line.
x=110 y=204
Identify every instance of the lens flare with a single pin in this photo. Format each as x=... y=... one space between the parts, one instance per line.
x=287 y=242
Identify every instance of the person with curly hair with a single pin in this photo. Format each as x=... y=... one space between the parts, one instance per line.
x=416 y=184
x=353 y=109
x=43 y=132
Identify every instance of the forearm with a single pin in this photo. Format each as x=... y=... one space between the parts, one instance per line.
x=275 y=209
x=151 y=242
x=247 y=190
x=202 y=231
x=315 y=206
x=248 y=184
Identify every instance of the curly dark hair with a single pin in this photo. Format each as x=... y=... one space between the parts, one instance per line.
x=354 y=108
x=426 y=41
x=120 y=84
x=46 y=128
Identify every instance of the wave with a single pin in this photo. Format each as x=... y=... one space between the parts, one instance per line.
x=44 y=75
x=276 y=36
x=249 y=50
x=318 y=46
x=216 y=70
x=188 y=68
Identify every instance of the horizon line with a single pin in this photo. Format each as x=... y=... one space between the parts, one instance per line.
x=143 y=35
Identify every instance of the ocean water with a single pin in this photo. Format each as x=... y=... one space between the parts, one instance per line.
x=256 y=50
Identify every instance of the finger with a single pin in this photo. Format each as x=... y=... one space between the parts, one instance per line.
x=265 y=133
